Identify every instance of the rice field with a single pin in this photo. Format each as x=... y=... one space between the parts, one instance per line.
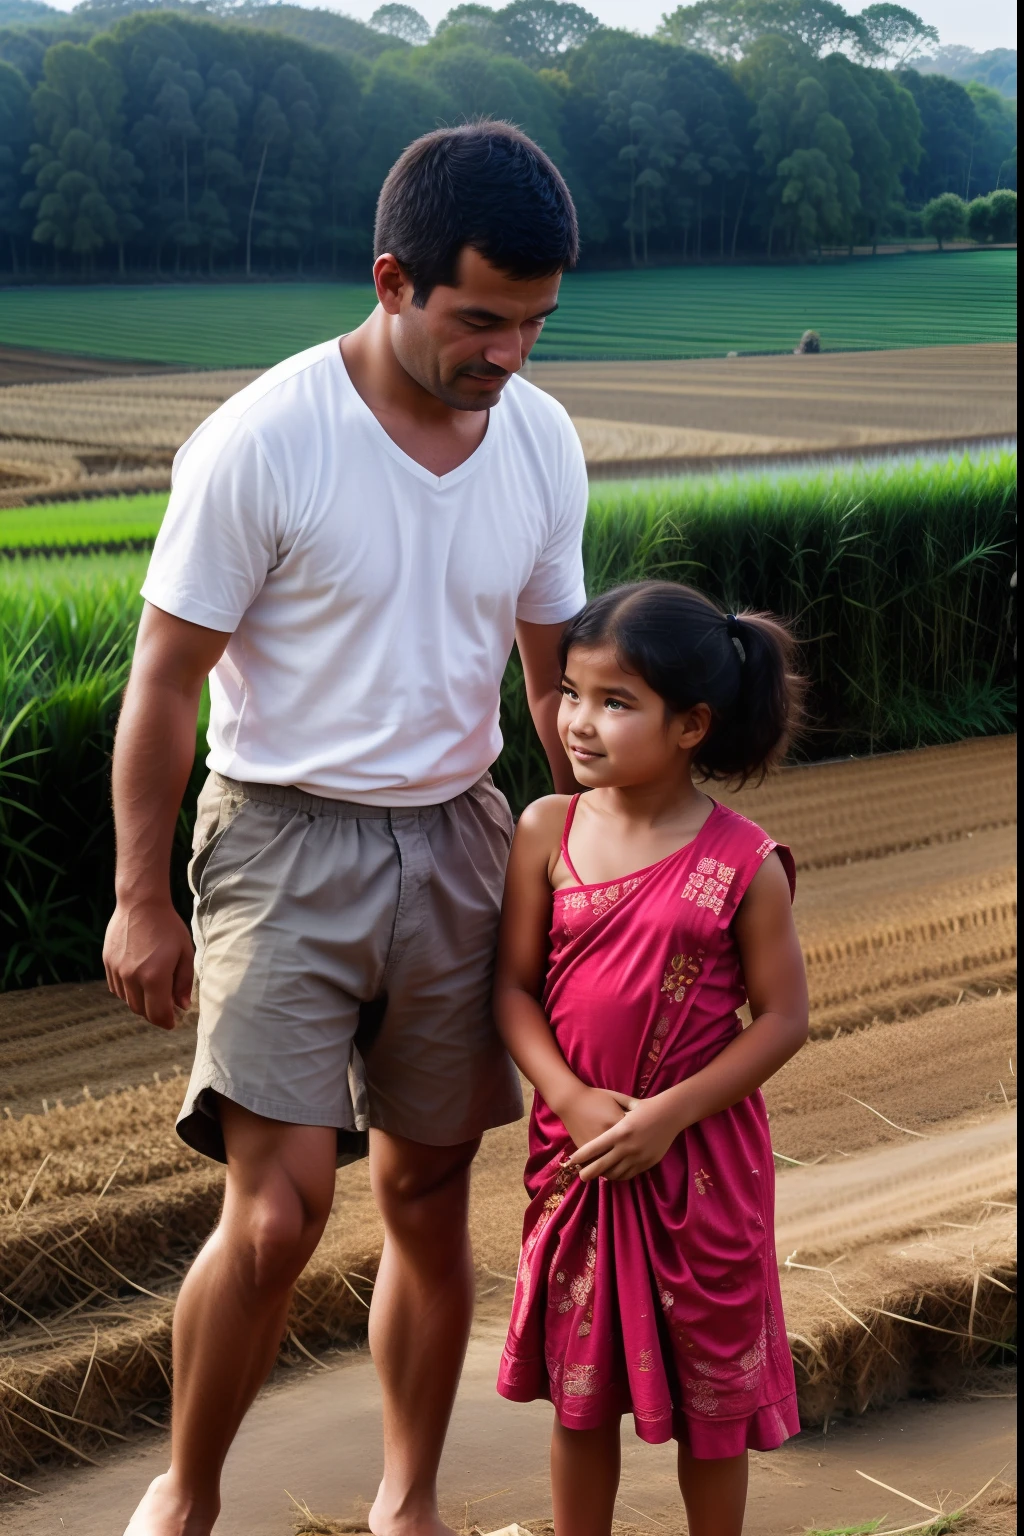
x=897 y=577
x=93 y=436
x=893 y=1133
x=895 y=301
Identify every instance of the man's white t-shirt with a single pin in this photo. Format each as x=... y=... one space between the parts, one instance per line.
x=371 y=604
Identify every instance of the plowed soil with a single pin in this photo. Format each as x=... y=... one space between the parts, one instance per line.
x=893 y=1138
x=90 y=435
x=756 y=405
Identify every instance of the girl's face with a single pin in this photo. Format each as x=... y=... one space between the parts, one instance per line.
x=616 y=730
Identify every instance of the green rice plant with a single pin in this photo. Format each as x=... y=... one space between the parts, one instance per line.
x=897 y=579
x=65 y=651
x=108 y=520
x=695 y=311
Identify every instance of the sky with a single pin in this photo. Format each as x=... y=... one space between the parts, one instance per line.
x=979 y=24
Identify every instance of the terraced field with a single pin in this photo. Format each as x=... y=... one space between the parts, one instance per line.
x=896 y=301
x=893 y=1133
x=103 y=435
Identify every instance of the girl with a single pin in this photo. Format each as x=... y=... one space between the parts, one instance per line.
x=648 y=1280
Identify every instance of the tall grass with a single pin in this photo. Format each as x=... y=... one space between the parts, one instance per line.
x=65 y=651
x=896 y=577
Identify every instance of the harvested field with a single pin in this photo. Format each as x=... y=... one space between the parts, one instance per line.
x=894 y=1138
x=750 y=406
x=868 y=808
x=94 y=435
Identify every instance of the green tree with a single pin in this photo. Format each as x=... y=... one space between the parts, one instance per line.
x=1003 y=216
x=995 y=138
x=541 y=31
x=979 y=219
x=896 y=34
x=401 y=21
x=731 y=27
x=84 y=179
x=944 y=218
x=809 y=190
x=949 y=133
x=14 y=130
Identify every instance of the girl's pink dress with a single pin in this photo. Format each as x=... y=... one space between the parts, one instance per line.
x=660 y=1295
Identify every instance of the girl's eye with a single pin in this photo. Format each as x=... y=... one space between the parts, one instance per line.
x=569 y=693
x=614 y=704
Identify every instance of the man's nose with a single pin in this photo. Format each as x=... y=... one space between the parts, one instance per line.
x=505 y=351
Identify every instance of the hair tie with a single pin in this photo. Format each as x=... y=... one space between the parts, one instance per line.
x=734 y=631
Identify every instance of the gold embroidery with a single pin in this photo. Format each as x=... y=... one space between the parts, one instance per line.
x=646 y=1362
x=702 y=1178
x=580 y=1381
x=585 y=1326
x=702 y=1397
x=708 y=884
x=668 y=1301
x=599 y=900
x=681 y=973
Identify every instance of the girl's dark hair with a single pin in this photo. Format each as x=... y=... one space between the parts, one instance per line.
x=483 y=184
x=684 y=647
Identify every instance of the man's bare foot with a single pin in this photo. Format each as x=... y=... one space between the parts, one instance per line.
x=165 y=1511
x=408 y=1517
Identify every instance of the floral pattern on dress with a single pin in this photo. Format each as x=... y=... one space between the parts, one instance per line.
x=680 y=974
x=594 y=901
x=708 y=884
x=702 y=1397
x=580 y=1381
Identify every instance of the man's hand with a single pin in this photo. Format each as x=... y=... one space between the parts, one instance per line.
x=147 y=955
x=638 y=1140
x=589 y=1113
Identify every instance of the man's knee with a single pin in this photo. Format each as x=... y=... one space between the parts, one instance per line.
x=421 y=1187
x=279 y=1193
x=272 y=1233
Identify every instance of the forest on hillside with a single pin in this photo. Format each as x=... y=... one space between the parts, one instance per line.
x=216 y=138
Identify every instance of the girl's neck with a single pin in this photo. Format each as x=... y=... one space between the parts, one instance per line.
x=654 y=804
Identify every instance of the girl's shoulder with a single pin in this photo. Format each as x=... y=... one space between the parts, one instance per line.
x=543 y=820
x=742 y=846
x=539 y=832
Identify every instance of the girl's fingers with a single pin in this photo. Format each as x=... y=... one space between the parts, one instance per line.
x=626 y=1100
x=591 y=1149
x=599 y=1169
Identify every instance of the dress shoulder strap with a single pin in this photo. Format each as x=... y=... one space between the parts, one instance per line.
x=570 y=817
x=731 y=857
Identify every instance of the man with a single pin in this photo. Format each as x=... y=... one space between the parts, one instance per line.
x=351 y=545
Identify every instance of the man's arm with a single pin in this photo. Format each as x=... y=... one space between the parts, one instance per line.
x=538 y=651
x=147 y=953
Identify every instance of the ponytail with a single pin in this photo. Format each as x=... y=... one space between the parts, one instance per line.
x=743 y=666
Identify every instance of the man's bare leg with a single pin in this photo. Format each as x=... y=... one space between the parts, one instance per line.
x=419 y=1320
x=233 y=1306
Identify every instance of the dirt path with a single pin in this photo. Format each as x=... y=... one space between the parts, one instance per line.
x=906 y=901
x=319 y=1438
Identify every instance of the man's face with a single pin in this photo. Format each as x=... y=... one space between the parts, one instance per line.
x=466 y=342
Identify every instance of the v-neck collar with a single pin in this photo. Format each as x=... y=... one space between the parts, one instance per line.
x=435 y=482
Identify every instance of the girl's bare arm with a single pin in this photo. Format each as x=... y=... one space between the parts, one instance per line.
x=773 y=969
x=522 y=956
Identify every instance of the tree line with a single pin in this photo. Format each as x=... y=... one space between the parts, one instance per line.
x=197 y=138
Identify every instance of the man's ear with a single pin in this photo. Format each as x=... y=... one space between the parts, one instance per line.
x=391 y=282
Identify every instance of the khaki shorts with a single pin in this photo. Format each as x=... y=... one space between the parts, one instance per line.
x=344 y=958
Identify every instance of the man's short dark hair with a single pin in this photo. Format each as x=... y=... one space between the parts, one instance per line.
x=485 y=185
